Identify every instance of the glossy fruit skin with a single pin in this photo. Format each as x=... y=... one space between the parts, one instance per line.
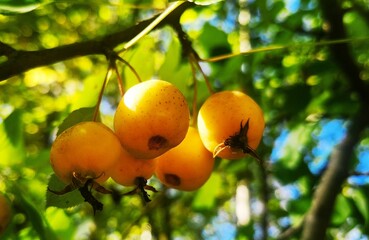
x=5 y=213
x=87 y=148
x=220 y=117
x=151 y=118
x=128 y=169
x=186 y=167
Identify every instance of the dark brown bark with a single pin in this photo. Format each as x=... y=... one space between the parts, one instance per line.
x=319 y=215
x=341 y=53
x=20 y=61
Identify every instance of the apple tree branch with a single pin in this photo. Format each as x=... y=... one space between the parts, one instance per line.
x=319 y=215
x=19 y=61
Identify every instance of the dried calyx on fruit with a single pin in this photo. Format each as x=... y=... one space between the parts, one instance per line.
x=81 y=148
x=236 y=142
x=231 y=124
x=79 y=158
x=84 y=186
x=141 y=189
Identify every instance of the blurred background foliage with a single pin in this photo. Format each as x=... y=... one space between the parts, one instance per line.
x=305 y=97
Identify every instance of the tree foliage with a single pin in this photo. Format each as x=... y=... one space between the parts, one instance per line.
x=304 y=61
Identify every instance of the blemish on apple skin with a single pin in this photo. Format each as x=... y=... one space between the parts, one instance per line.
x=157 y=142
x=172 y=179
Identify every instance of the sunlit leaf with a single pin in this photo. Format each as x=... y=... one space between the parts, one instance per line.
x=88 y=96
x=32 y=212
x=172 y=60
x=60 y=222
x=206 y=196
x=77 y=116
x=142 y=60
x=214 y=40
x=11 y=139
x=358 y=25
x=66 y=200
x=342 y=210
x=290 y=163
x=173 y=71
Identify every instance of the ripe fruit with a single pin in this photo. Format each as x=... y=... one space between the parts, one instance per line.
x=151 y=118
x=88 y=148
x=5 y=213
x=129 y=168
x=186 y=167
x=229 y=114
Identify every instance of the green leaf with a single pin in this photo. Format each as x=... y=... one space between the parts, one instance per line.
x=11 y=139
x=290 y=165
x=32 y=212
x=13 y=127
x=142 y=60
x=207 y=194
x=342 y=210
x=89 y=94
x=297 y=91
x=361 y=202
x=296 y=140
x=357 y=25
x=66 y=200
x=172 y=60
x=228 y=72
x=297 y=209
x=61 y=223
x=77 y=116
x=214 y=40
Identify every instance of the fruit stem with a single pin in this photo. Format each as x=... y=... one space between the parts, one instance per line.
x=106 y=78
x=130 y=67
x=191 y=53
x=120 y=80
x=194 y=101
x=152 y=25
x=281 y=47
x=208 y=85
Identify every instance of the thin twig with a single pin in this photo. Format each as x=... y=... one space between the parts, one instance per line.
x=207 y=81
x=146 y=210
x=194 y=100
x=279 y=47
x=131 y=68
x=101 y=93
x=152 y=25
x=190 y=52
x=356 y=173
x=20 y=61
x=120 y=80
x=290 y=232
